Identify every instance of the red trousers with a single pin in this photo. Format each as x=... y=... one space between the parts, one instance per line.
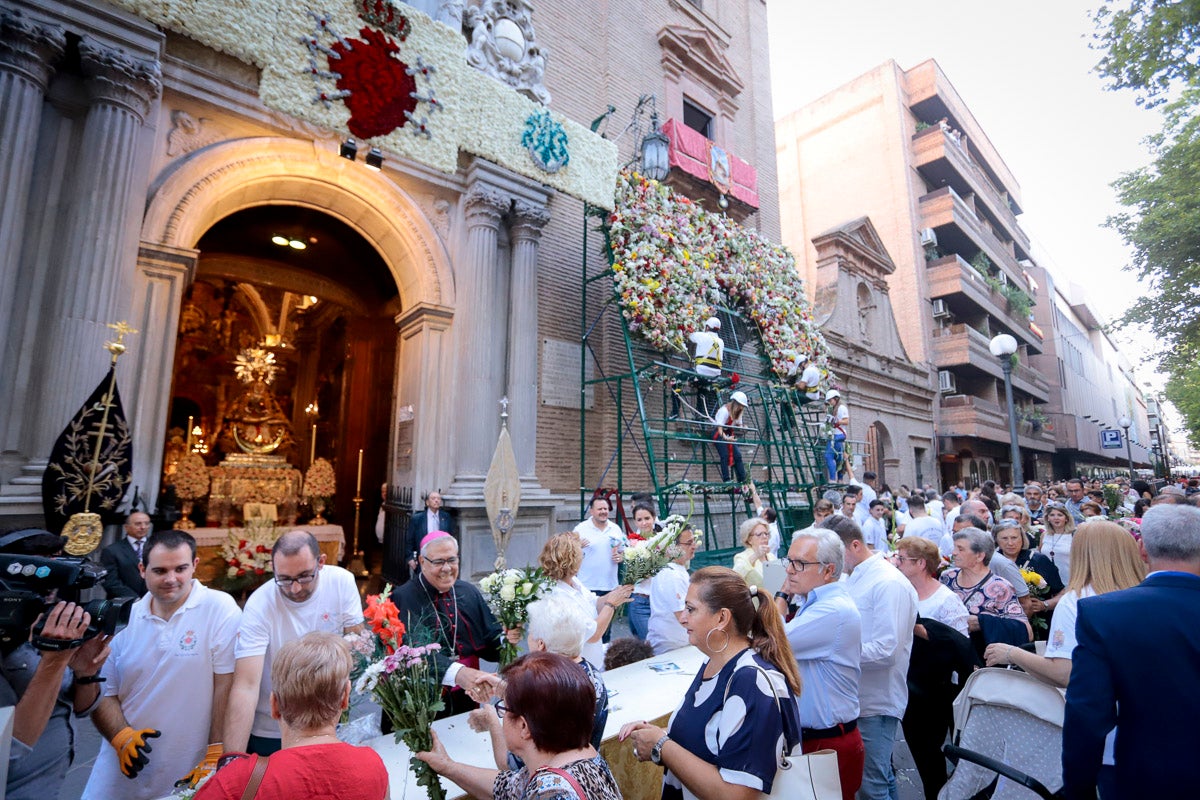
x=850 y=754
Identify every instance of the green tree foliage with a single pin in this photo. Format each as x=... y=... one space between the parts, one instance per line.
x=1150 y=46
x=1183 y=390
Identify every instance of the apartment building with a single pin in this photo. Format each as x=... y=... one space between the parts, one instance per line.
x=902 y=148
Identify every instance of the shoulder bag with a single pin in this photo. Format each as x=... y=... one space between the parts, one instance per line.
x=800 y=777
x=256 y=777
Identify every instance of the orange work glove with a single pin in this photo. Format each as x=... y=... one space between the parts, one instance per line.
x=132 y=747
x=206 y=767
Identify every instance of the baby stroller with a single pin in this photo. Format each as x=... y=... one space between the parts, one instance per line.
x=1008 y=738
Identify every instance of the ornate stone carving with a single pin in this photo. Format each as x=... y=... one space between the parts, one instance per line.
x=188 y=133
x=28 y=48
x=115 y=78
x=450 y=12
x=483 y=22
x=529 y=219
x=486 y=206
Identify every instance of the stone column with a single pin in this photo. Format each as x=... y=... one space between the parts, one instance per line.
x=28 y=53
x=99 y=236
x=480 y=338
x=527 y=224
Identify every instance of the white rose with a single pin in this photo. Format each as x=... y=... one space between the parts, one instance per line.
x=508 y=593
x=527 y=588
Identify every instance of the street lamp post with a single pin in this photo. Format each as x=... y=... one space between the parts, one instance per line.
x=1126 y=422
x=1003 y=346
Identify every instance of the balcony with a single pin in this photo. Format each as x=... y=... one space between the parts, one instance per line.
x=944 y=162
x=705 y=161
x=964 y=415
x=959 y=229
x=962 y=347
x=965 y=292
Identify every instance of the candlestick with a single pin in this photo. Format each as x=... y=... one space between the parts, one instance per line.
x=358 y=483
x=312 y=449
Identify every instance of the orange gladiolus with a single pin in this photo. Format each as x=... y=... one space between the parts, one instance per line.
x=384 y=619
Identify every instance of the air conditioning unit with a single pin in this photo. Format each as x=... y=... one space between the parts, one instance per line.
x=928 y=237
x=947 y=384
x=1002 y=276
x=940 y=310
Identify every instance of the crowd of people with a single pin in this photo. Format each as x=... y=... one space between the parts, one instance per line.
x=888 y=602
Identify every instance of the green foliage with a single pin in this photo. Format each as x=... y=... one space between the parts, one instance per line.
x=1020 y=302
x=1149 y=46
x=982 y=264
x=1183 y=389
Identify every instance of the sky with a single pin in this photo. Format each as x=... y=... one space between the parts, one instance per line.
x=1025 y=69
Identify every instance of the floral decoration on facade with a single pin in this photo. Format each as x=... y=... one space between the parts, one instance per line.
x=319 y=480
x=546 y=141
x=191 y=477
x=673 y=263
x=481 y=116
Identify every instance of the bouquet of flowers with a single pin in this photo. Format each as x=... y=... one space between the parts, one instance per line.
x=247 y=555
x=405 y=685
x=1036 y=532
x=381 y=635
x=1114 y=498
x=509 y=593
x=318 y=481
x=191 y=477
x=647 y=559
x=1039 y=589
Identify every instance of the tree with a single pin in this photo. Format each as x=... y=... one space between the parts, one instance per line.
x=1150 y=46
x=1183 y=390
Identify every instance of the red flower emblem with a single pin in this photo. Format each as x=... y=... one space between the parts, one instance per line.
x=379 y=84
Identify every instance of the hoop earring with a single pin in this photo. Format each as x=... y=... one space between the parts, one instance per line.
x=708 y=644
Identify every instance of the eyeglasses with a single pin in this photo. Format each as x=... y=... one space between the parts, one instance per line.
x=304 y=579
x=913 y=559
x=689 y=543
x=438 y=563
x=798 y=564
x=501 y=709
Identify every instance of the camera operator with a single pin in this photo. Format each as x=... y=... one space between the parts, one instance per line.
x=48 y=688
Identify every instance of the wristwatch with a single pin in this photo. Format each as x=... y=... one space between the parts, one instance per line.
x=656 y=751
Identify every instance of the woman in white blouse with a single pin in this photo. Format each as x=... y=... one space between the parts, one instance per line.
x=560 y=558
x=1058 y=539
x=919 y=559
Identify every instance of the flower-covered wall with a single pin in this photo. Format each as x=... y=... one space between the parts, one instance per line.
x=673 y=262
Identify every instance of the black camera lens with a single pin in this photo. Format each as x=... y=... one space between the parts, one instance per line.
x=109 y=617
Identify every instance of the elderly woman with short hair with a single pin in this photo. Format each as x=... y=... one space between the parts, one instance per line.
x=310 y=688
x=556 y=625
x=982 y=591
x=918 y=559
x=755 y=535
x=547 y=715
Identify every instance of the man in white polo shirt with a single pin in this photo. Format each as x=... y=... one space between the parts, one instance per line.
x=169 y=673
x=603 y=549
x=667 y=592
x=306 y=595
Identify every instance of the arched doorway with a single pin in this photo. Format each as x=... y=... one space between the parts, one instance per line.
x=307 y=292
x=390 y=282
x=879 y=446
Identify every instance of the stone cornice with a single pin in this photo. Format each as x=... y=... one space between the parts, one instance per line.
x=114 y=78
x=30 y=49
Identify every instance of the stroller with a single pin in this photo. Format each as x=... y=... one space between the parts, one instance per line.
x=1005 y=719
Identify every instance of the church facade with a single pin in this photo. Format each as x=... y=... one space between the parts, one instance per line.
x=412 y=268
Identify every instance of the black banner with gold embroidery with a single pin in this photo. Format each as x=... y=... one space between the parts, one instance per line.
x=74 y=464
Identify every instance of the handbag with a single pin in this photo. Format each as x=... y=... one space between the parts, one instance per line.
x=256 y=776
x=812 y=776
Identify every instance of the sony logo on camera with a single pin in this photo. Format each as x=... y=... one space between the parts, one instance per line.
x=30 y=585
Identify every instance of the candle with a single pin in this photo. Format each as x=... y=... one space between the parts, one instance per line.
x=358 y=483
x=189 y=433
x=312 y=451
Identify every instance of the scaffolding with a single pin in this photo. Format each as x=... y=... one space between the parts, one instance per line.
x=673 y=455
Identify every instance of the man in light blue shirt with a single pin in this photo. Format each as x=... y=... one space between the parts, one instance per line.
x=826 y=638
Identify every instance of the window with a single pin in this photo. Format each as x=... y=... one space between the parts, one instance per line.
x=697 y=118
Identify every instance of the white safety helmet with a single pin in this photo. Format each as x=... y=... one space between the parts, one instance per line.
x=740 y=398
x=712 y=324
x=832 y=394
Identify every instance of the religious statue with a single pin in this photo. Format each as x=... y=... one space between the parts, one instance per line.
x=254 y=420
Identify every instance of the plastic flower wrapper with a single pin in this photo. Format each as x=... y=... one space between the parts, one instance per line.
x=1039 y=589
x=509 y=593
x=406 y=686
x=646 y=559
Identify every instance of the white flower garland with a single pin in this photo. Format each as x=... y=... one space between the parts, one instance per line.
x=479 y=114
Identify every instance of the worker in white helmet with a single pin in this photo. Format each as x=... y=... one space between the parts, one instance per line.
x=708 y=352
x=728 y=421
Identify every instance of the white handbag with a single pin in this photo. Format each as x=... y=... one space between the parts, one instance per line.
x=812 y=776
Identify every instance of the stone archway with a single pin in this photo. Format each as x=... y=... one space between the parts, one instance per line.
x=879 y=451
x=210 y=184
